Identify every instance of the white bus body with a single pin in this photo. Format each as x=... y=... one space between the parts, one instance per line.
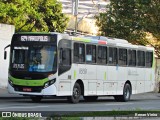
x=125 y=69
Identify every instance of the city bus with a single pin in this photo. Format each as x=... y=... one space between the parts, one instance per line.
x=56 y=64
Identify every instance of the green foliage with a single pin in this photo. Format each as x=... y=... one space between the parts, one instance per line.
x=113 y=113
x=122 y=20
x=14 y=118
x=152 y=18
x=130 y=20
x=33 y=15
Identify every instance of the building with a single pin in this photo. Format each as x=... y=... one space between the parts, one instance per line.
x=87 y=9
x=6 y=32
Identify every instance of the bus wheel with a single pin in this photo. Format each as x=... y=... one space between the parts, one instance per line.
x=126 y=94
x=90 y=98
x=76 y=94
x=36 y=98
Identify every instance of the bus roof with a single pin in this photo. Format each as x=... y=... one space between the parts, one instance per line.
x=94 y=39
x=28 y=33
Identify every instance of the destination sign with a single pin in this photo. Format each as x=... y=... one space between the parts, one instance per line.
x=35 y=38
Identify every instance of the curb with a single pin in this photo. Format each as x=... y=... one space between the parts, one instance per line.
x=14 y=97
x=5 y=95
x=3 y=87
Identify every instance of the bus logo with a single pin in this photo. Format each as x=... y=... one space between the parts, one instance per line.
x=82 y=71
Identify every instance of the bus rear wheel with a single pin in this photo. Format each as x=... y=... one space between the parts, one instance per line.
x=90 y=98
x=126 y=94
x=76 y=94
x=36 y=98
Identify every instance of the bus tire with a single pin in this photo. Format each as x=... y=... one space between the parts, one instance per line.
x=90 y=98
x=76 y=94
x=126 y=94
x=36 y=98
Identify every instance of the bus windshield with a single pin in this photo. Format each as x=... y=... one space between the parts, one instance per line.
x=35 y=58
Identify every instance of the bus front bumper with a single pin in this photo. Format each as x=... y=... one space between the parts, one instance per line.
x=50 y=90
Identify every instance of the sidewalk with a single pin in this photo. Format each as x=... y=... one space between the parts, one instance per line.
x=4 y=94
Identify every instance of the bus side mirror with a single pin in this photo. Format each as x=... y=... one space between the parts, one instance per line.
x=5 y=55
x=5 y=52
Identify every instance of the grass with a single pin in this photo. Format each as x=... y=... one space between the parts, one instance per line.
x=65 y=118
x=75 y=116
x=14 y=118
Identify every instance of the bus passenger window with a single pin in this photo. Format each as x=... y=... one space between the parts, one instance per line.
x=94 y=53
x=102 y=55
x=132 y=57
x=149 y=59
x=141 y=58
x=76 y=52
x=79 y=52
x=91 y=53
x=112 y=60
x=122 y=57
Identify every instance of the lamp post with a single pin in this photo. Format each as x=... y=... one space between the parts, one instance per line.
x=75 y=12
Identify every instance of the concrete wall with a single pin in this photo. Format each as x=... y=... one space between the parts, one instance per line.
x=6 y=32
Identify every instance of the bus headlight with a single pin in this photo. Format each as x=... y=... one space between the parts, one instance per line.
x=10 y=82
x=50 y=82
x=46 y=84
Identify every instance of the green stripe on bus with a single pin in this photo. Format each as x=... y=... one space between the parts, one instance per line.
x=154 y=62
x=33 y=33
x=75 y=74
x=86 y=40
x=105 y=75
x=24 y=82
x=151 y=76
x=82 y=39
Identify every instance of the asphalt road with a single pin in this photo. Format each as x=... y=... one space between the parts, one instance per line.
x=146 y=101
x=50 y=106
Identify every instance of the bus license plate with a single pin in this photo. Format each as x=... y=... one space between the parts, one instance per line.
x=27 y=89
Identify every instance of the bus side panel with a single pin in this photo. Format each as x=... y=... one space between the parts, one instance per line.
x=112 y=73
x=91 y=72
x=78 y=73
x=149 y=78
x=91 y=76
x=110 y=87
x=132 y=77
x=102 y=76
x=64 y=87
x=140 y=80
x=153 y=80
x=64 y=84
x=121 y=79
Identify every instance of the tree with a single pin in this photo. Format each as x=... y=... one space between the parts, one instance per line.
x=131 y=20
x=36 y=15
x=153 y=21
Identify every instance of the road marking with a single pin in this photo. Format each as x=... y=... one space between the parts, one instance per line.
x=120 y=104
x=23 y=107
